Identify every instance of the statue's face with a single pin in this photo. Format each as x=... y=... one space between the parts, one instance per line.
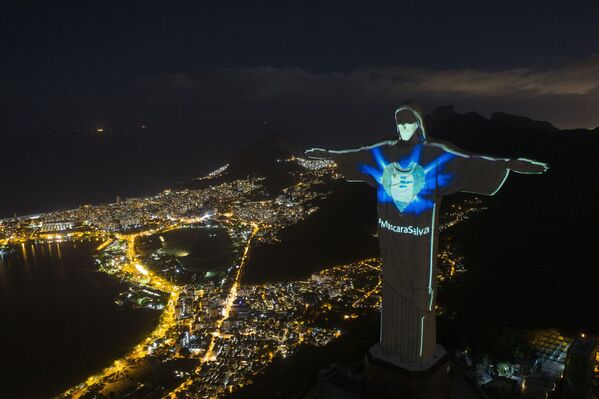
x=406 y=130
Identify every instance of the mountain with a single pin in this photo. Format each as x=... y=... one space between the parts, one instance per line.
x=261 y=159
x=529 y=258
x=439 y=116
x=520 y=122
x=443 y=114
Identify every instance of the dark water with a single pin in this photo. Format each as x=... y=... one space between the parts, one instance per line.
x=46 y=172
x=58 y=321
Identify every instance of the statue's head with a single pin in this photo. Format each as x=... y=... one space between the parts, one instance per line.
x=408 y=119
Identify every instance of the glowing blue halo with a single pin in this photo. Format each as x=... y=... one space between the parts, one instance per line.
x=434 y=177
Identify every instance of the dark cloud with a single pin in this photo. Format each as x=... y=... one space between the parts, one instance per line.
x=566 y=96
x=303 y=103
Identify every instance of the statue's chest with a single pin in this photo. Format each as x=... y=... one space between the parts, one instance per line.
x=403 y=184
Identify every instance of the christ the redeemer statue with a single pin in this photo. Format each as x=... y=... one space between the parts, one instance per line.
x=411 y=175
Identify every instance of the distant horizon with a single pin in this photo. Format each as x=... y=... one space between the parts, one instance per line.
x=105 y=129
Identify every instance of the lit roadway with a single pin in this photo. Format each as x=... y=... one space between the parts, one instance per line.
x=210 y=355
x=141 y=275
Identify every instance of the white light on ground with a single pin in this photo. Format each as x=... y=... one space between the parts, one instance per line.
x=141 y=269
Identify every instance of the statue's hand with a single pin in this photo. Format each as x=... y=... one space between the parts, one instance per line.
x=523 y=165
x=318 y=153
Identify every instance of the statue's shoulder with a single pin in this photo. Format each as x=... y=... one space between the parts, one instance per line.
x=385 y=143
x=444 y=146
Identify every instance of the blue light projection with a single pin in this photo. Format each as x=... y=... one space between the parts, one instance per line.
x=406 y=183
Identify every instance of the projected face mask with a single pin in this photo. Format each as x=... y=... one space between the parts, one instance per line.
x=407 y=124
x=407 y=130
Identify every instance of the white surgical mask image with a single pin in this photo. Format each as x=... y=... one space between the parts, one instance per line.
x=407 y=130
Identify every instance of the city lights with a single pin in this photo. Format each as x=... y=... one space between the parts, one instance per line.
x=218 y=320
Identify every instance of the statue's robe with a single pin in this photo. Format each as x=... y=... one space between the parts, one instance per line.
x=411 y=178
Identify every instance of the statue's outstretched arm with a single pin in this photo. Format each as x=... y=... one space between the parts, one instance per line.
x=321 y=153
x=318 y=153
x=518 y=165
x=337 y=155
x=527 y=166
x=348 y=161
x=482 y=174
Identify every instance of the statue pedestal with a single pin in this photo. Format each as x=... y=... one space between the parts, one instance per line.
x=388 y=377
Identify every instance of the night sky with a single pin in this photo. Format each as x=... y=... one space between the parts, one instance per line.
x=181 y=64
x=328 y=74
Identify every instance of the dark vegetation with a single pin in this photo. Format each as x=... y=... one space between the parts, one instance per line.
x=341 y=231
x=530 y=255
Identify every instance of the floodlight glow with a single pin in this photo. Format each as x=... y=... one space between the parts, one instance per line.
x=405 y=182
x=141 y=269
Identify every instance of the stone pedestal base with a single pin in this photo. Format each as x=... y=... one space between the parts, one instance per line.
x=388 y=377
